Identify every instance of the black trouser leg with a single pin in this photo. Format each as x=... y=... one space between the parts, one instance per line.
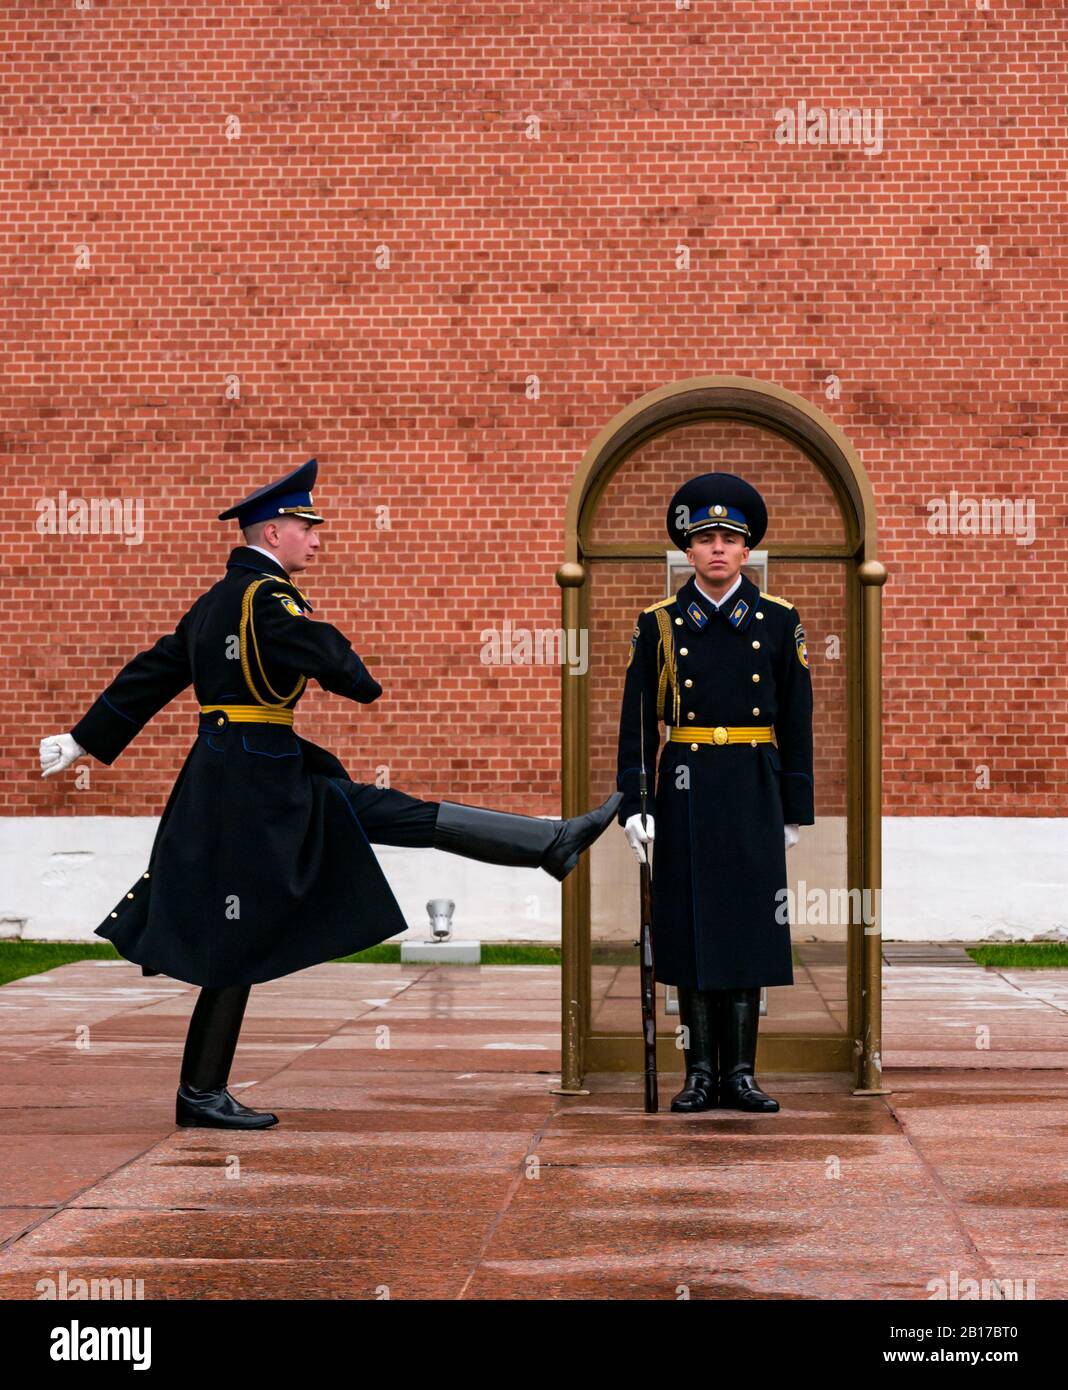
x=212 y=1038
x=391 y=817
x=738 y=1046
x=698 y=1014
x=210 y=1043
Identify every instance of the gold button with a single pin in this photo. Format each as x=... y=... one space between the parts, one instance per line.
x=114 y=914
x=755 y=676
x=220 y=722
x=756 y=711
x=719 y=734
x=144 y=875
x=690 y=715
x=684 y=651
x=760 y=615
x=678 y=622
x=756 y=646
x=693 y=747
x=687 y=682
x=129 y=895
x=754 y=743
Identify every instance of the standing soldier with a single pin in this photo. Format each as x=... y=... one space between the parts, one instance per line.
x=262 y=862
x=723 y=665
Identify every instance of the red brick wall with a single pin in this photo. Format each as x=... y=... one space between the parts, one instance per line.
x=801 y=507
x=513 y=257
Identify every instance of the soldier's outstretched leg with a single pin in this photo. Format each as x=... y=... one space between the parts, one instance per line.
x=738 y=1045
x=497 y=837
x=203 y=1100
x=699 y=1015
x=391 y=817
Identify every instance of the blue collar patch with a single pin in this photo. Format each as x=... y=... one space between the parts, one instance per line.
x=697 y=614
x=738 y=612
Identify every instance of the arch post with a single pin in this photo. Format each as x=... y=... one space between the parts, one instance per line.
x=575 y=980
x=872 y=577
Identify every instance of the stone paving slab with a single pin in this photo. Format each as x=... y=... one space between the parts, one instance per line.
x=870 y=1277
x=443 y=1166
x=312 y=1278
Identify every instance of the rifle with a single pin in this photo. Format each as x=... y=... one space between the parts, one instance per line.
x=645 y=948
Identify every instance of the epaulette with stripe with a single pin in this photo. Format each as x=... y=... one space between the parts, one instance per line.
x=287 y=584
x=785 y=603
x=662 y=604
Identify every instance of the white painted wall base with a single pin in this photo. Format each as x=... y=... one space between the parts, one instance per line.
x=61 y=875
x=945 y=878
x=974 y=878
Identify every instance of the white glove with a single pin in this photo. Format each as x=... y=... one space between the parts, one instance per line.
x=59 y=751
x=793 y=834
x=639 y=836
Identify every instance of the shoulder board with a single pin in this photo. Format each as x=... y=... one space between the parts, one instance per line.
x=771 y=598
x=662 y=604
x=277 y=578
x=277 y=584
x=263 y=589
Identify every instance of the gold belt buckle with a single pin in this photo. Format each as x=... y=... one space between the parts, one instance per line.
x=719 y=734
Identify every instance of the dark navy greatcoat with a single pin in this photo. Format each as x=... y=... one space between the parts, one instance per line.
x=260 y=865
x=719 y=861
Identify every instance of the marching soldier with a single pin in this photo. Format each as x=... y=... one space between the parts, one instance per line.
x=262 y=862
x=725 y=667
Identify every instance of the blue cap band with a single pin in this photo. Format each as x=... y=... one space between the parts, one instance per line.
x=702 y=518
x=271 y=507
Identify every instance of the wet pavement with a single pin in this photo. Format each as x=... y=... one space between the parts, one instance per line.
x=422 y=1154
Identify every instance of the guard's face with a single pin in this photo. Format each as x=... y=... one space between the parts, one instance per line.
x=298 y=541
x=717 y=555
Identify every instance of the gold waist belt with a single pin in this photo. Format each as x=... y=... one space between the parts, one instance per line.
x=738 y=733
x=249 y=714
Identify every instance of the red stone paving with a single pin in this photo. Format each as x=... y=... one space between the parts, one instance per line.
x=442 y=1166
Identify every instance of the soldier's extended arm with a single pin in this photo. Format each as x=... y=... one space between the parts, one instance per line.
x=641 y=679
x=144 y=685
x=307 y=646
x=793 y=727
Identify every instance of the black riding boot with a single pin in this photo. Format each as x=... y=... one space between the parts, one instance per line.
x=203 y=1100
x=738 y=1045
x=524 y=841
x=698 y=1013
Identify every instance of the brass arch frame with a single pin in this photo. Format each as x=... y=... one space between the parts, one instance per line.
x=769 y=407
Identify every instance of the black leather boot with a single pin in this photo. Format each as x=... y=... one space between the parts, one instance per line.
x=524 y=841
x=738 y=1044
x=217 y=1109
x=698 y=1013
x=203 y=1100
